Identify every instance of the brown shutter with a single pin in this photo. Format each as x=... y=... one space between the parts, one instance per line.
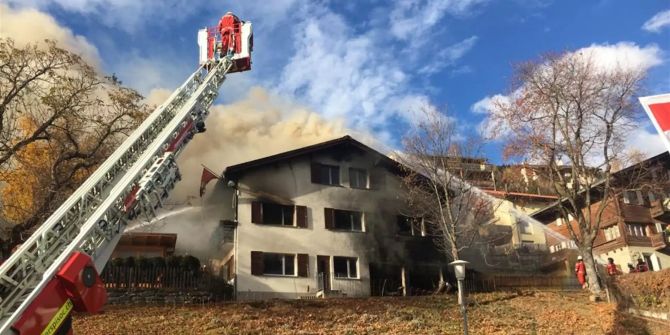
x=301 y=216
x=256 y=213
x=315 y=173
x=303 y=265
x=377 y=179
x=257 y=265
x=329 y=217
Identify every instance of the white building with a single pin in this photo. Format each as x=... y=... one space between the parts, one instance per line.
x=323 y=217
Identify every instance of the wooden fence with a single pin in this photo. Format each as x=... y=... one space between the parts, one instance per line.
x=508 y=282
x=173 y=278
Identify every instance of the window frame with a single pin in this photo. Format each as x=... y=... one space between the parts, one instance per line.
x=416 y=226
x=283 y=209
x=283 y=264
x=358 y=172
x=348 y=260
x=351 y=220
x=526 y=231
x=333 y=171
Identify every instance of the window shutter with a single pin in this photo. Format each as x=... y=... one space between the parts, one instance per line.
x=377 y=179
x=329 y=217
x=257 y=265
x=303 y=265
x=301 y=216
x=256 y=213
x=315 y=173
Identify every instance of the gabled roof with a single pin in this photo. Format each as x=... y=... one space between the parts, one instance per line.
x=234 y=171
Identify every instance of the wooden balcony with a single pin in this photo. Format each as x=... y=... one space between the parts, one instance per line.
x=656 y=241
x=656 y=208
x=636 y=213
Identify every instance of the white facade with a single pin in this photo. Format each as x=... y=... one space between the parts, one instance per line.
x=288 y=182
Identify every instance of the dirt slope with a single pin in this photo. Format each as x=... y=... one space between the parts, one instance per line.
x=496 y=313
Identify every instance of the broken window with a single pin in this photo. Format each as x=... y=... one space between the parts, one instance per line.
x=325 y=174
x=409 y=226
x=358 y=178
x=278 y=264
x=345 y=267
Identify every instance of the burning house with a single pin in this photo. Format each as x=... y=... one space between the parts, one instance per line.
x=325 y=218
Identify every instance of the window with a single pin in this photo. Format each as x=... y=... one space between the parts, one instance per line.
x=325 y=174
x=343 y=220
x=652 y=197
x=410 y=226
x=348 y=220
x=525 y=227
x=358 y=178
x=345 y=267
x=640 y=199
x=279 y=264
x=612 y=233
x=277 y=214
x=635 y=229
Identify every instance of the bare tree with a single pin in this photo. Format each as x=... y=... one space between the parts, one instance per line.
x=572 y=115
x=59 y=120
x=438 y=161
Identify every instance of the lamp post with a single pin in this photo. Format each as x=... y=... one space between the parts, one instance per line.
x=459 y=271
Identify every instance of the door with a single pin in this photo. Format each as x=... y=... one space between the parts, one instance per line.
x=323 y=272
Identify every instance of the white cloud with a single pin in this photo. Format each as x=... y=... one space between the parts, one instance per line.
x=646 y=142
x=626 y=55
x=449 y=56
x=489 y=128
x=412 y=19
x=342 y=74
x=657 y=22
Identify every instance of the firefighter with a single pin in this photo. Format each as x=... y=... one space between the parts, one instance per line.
x=580 y=271
x=611 y=268
x=641 y=266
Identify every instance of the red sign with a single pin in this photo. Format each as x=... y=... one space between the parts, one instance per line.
x=658 y=109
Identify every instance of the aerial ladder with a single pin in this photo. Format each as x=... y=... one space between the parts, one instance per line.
x=56 y=270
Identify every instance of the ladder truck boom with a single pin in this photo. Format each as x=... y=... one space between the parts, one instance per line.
x=56 y=270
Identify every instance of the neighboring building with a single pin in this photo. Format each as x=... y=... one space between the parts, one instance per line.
x=635 y=221
x=324 y=218
x=145 y=245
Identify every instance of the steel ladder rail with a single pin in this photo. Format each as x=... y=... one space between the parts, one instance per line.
x=96 y=237
x=37 y=252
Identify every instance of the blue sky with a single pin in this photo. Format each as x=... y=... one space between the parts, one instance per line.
x=373 y=63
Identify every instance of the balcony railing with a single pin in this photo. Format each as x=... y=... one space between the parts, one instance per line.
x=657 y=208
x=654 y=240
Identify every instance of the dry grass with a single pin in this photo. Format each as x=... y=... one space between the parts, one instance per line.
x=494 y=313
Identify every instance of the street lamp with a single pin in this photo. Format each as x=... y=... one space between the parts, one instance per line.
x=459 y=271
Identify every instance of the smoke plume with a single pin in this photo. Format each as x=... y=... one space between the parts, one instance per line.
x=30 y=26
x=255 y=127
